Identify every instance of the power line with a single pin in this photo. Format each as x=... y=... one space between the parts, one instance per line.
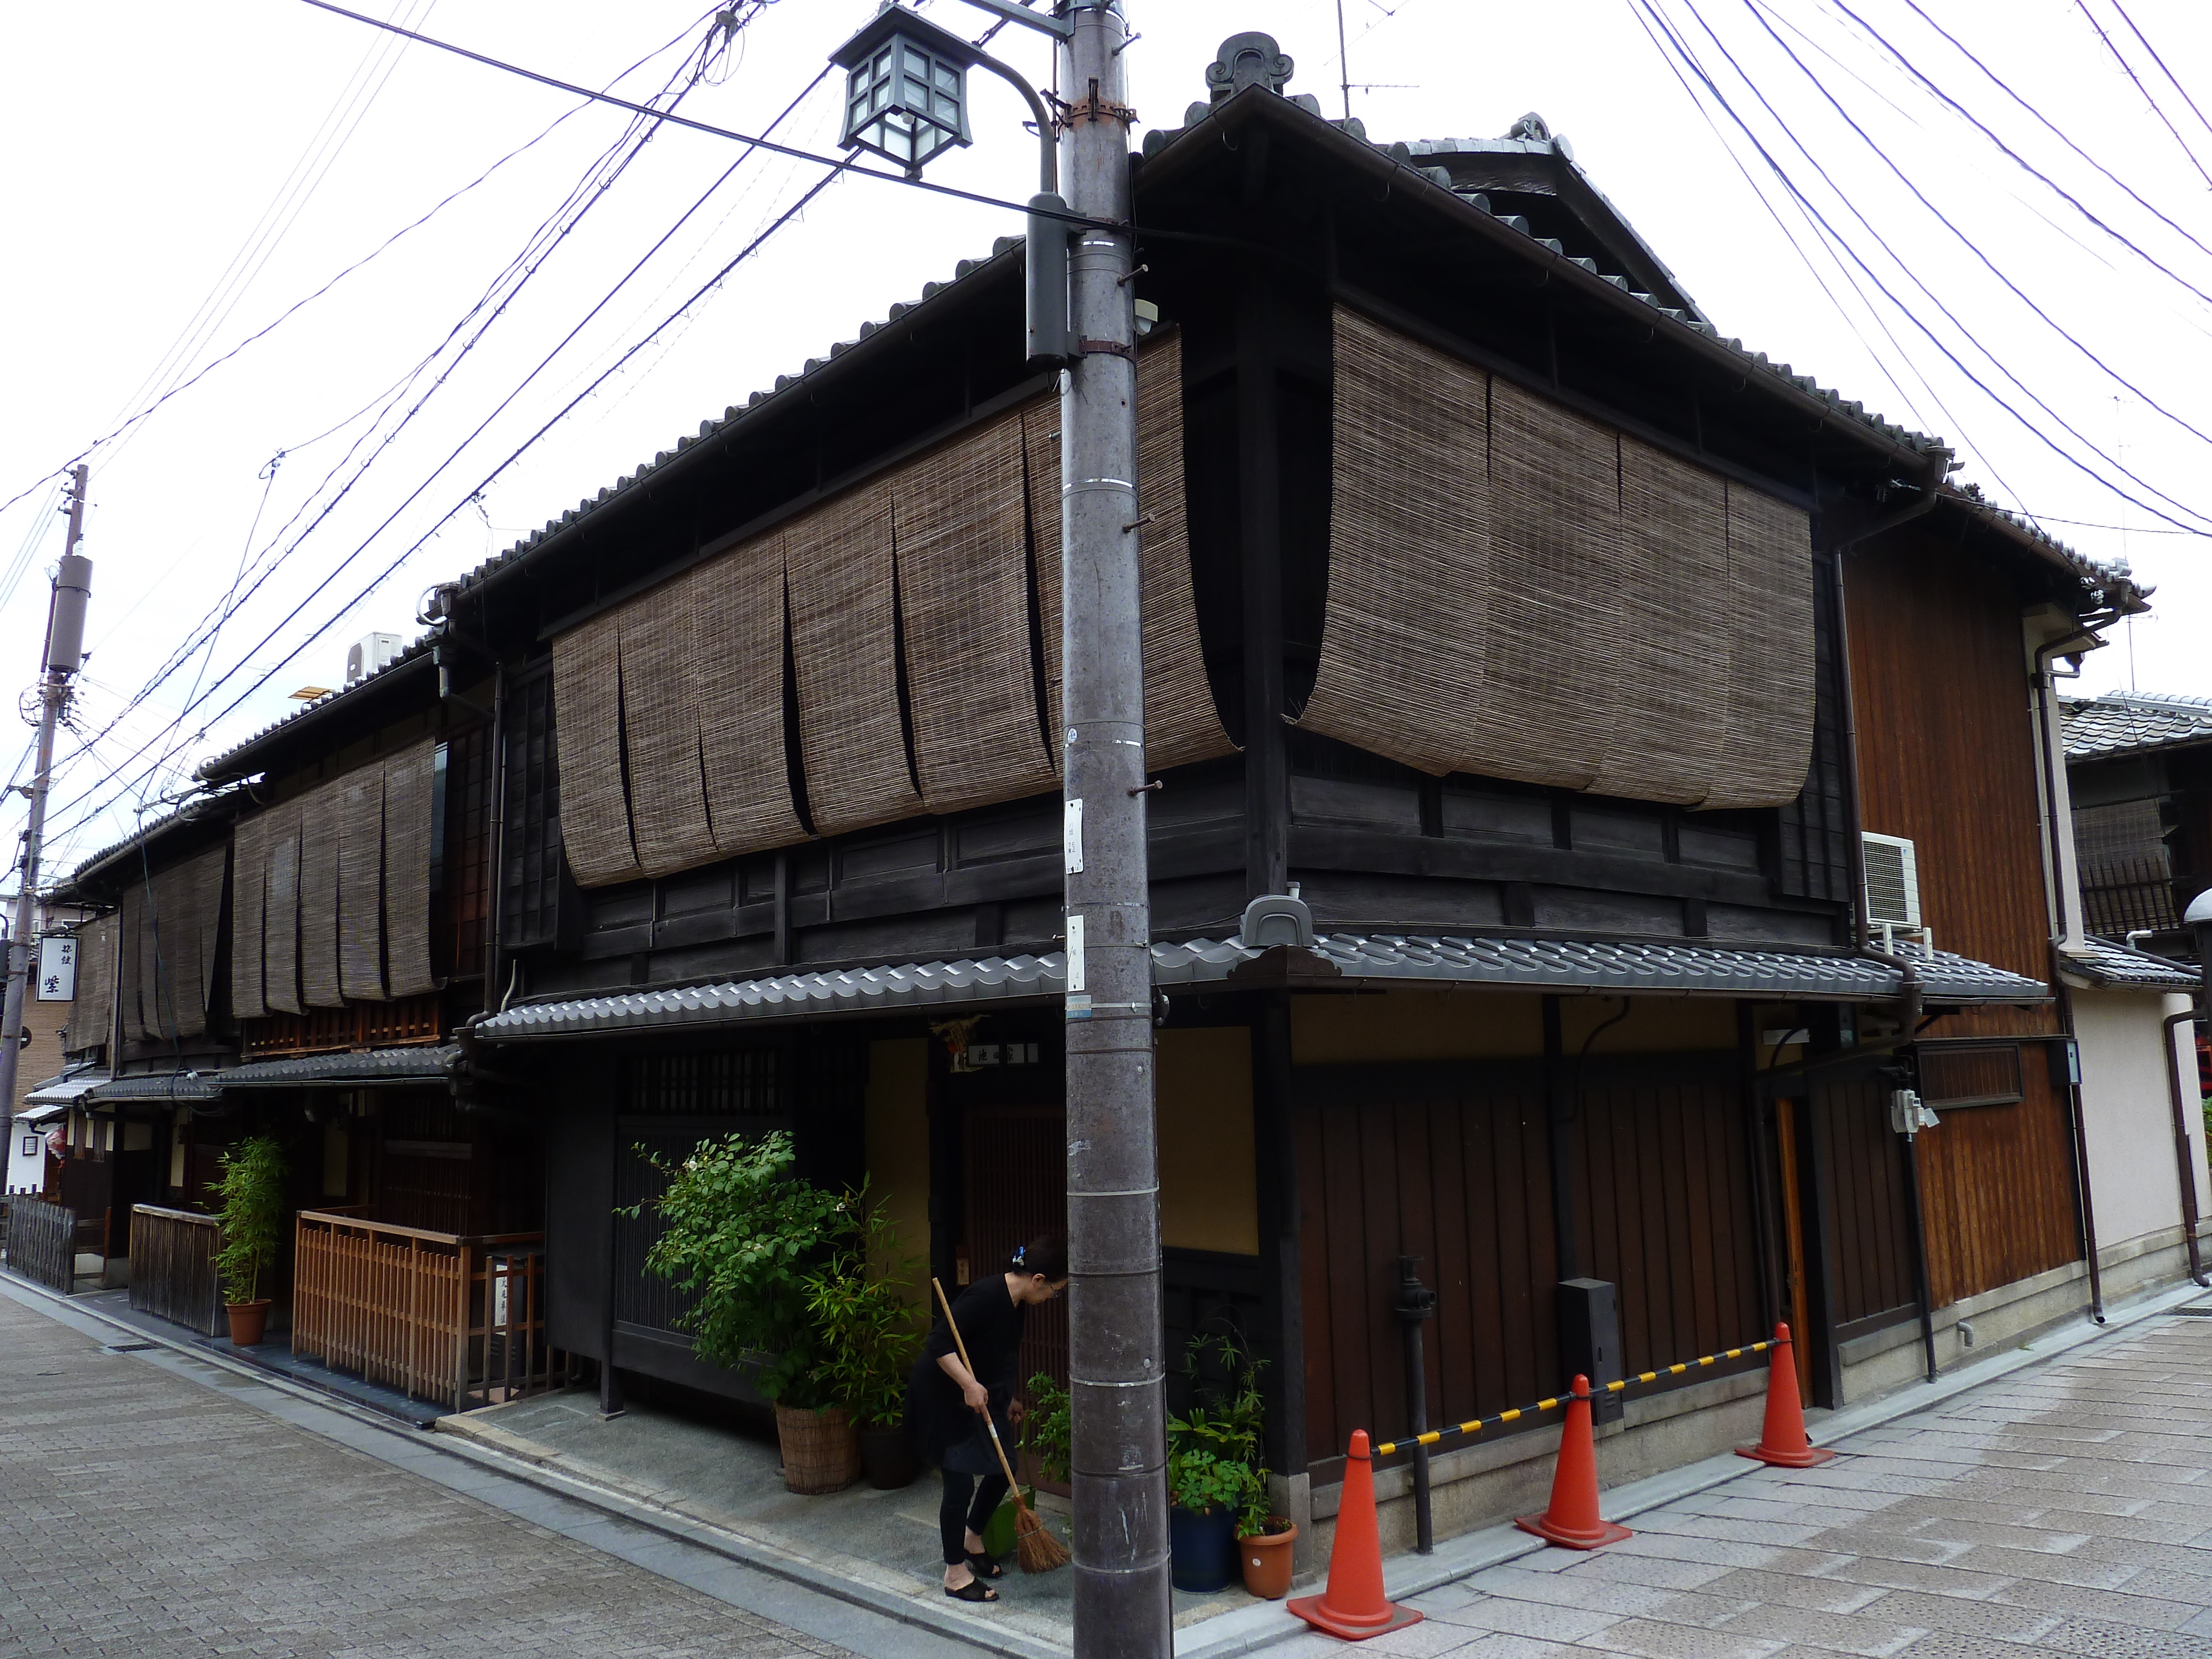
x=2161 y=62
x=840 y=164
x=1968 y=242
x=1905 y=311
x=2129 y=70
x=744 y=254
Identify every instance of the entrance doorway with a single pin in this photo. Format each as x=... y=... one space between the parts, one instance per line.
x=1015 y=1179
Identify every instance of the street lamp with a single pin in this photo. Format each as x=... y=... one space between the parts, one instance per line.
x=906 y=92
x=1082 y=316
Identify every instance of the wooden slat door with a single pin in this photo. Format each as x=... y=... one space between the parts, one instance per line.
x=1016 y=1183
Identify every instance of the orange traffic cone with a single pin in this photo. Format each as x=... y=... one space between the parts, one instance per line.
x=1573 y=1519
x=1353 y=1606
x=1783 y=1440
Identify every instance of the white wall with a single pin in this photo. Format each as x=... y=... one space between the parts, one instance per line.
x=2127 y=1116
x=26 y=1174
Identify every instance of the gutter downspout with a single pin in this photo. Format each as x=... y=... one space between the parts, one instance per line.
x=1911 y=993
x=2185 y=1165
x=2040 y=689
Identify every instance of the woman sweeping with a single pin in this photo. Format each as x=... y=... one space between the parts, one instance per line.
x=947 y=1404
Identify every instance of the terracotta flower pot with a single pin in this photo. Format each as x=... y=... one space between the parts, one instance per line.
x=1266 y=1558
x=821 y=1450
x=887 y=1452
x=249 y=1322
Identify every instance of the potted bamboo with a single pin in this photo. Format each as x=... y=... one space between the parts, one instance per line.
x=251 y=1187
x=1217 y=1482
x=741 y=1237
x=867 y=1326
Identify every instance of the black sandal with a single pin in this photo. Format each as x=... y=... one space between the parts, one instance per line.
x=974 y=1590
x=985 y=1566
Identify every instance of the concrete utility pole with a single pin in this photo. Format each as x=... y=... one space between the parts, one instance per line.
x=1117 y=1374
x=57 y=666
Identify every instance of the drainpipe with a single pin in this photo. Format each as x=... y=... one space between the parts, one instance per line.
x=2054 y=849
x=2185 y=1164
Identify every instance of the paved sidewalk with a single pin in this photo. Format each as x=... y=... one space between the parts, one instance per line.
x=145 y=1514
x=2066 y=1508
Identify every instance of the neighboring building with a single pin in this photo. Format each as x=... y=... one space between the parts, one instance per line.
x=2140 y=767
x=1524 y=662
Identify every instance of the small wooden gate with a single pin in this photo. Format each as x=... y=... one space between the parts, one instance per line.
x=42 y=1241
x=173 y=1271
x=445 y=1317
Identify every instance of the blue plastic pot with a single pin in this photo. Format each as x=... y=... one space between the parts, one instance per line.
x=1202 y=1546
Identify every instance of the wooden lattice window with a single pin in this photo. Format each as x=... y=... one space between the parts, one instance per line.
x=466 y=898
x=531 y=873
x=1973 y=1075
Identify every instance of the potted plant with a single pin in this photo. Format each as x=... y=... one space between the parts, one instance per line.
x=867 y=1328
x=1217 y=1482
x=741 y=1235
x=251 y=1186
x=1047 y=1438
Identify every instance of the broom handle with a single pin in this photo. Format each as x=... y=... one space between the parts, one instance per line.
x=1005 y=1468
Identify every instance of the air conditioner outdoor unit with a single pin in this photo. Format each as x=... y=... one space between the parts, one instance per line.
x=369 y=653
x=1893 y=890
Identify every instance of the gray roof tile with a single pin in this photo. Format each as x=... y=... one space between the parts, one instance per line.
x=2130 y=722
x=1553 y=964
x=356 y=1068
x=2107 y=962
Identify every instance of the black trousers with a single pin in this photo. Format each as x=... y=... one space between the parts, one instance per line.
x=958 y=1515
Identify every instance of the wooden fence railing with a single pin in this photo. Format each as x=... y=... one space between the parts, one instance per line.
x=173 y=1274
x=42 y=1241
x=456 y=1320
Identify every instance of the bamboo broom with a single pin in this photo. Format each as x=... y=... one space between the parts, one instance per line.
x=1035 y=1547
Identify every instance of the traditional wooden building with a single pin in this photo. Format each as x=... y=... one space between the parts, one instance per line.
x=1524 y=663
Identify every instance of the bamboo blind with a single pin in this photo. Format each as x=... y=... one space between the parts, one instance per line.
x=409 y=777
x=249 y=900
x=1673 y=522
x=660 y=646
x=587 y=737
x=281 y=916
x=1180 y=724
x=321 y=809
x=1770 y=674
x=134 y=948
x=743 y=615
x=1517 y=592
x=843 y=583
x=360 y=797
x=907 y=602
x=92 y=1015
x=209 y=879
x=963 y=561
x=1409 y=568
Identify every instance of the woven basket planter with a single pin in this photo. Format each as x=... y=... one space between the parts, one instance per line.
x=821 y=1450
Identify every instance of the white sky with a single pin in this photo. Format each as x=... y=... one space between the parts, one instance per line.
x=145 y=153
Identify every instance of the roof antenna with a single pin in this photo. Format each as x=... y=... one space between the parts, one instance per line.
x=1343 y=63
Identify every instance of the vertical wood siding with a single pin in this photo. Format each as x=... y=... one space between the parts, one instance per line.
x=1946 y=757
x=1863 y=1165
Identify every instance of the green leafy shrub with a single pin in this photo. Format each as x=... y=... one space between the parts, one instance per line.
x=251 y=1186
x=1047 y=1429
x=866 y=1323
x=742 y=1235
x=1216 y=1448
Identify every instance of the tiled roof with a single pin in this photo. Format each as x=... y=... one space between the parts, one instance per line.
x=357 y=1068
x=2106 y=961
x=156 y=1085
x=57 y=1092
x=2129 y=722
x=188 y=813
x=1553 y=964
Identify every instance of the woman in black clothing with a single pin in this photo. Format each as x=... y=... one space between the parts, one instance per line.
x=946 y=1403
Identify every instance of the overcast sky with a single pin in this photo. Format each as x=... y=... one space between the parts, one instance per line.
x=178 y=177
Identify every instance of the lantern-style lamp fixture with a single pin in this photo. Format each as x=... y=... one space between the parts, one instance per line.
x=906 y=91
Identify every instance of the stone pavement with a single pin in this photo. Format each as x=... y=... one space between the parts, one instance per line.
x=145 y=1513
x=2066 y=1508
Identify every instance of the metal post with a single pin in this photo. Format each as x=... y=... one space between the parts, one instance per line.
x=64 y=649
x=1117 y=1374
x=1415 y=1306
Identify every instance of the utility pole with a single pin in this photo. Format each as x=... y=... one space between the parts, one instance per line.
x=1117 y=1372
x=64 y=649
